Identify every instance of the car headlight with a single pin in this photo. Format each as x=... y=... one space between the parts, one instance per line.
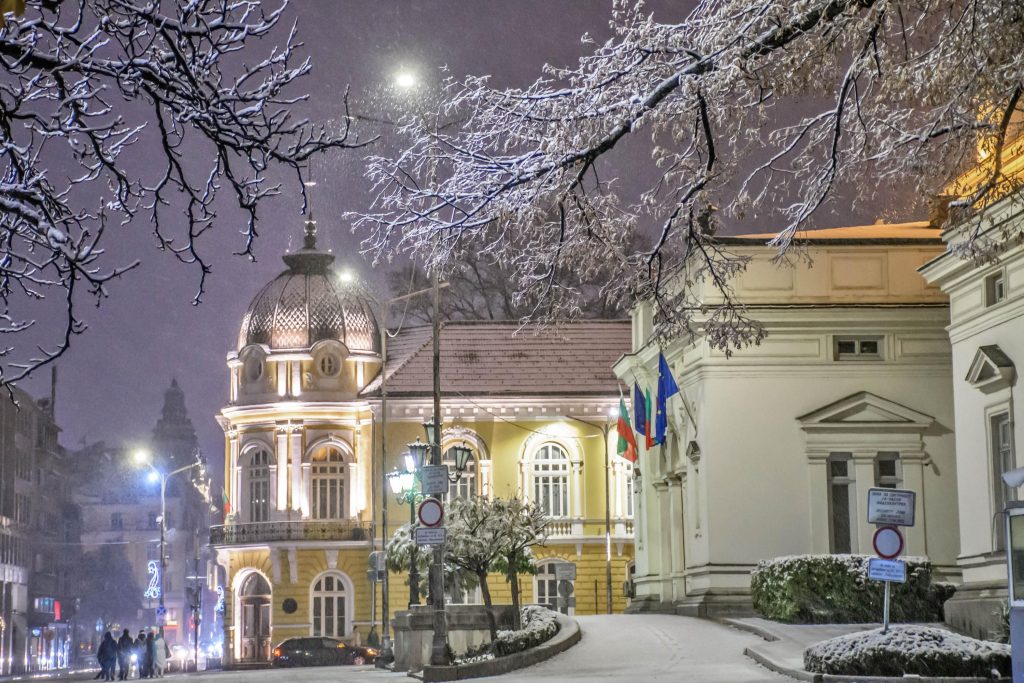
x=370 y=651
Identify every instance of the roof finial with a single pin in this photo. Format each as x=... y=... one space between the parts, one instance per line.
x=309 y=241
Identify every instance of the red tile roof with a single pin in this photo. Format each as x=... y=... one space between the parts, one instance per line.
x=483 y=358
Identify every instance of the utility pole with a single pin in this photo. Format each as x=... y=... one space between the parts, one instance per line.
x=439 y=649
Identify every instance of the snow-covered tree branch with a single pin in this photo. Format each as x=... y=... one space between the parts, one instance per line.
x=912 y=89
x=94 y=89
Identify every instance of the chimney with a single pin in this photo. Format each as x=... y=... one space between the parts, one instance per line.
x=53 y=391
x=938 y=210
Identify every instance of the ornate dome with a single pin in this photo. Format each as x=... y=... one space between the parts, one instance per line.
x=308 y=303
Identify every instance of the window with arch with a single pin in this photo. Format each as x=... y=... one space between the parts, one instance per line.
x=258 y=481
x=465 y=486
x=550 y=473
x=253 y=369
x=329 y=613
x=329 y=365
x=545 y=586
x=329 y=474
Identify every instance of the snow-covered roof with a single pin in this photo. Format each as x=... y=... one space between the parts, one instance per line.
x=484 y=358
x=885 y=233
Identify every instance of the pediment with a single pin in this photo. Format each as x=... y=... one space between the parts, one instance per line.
x=865 y=410
x=991 y=369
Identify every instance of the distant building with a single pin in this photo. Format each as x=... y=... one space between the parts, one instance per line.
x=120 y=511
x=309 y=442
x=38 y=539
x=771 y=452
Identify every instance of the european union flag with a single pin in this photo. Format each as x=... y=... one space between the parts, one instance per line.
x=667 y=387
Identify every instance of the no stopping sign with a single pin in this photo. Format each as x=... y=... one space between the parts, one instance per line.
x=888 y=542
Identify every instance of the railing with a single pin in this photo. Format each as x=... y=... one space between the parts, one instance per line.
x=577 y=526
x=306 y=530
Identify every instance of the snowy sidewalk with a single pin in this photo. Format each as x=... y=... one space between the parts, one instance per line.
x=784 y=648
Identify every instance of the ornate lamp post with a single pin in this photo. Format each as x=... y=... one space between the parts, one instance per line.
x=403 y=486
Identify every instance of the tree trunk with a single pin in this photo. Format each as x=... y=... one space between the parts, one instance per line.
x=485 y=590
x=513 y=579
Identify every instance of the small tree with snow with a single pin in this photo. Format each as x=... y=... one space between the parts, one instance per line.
x=401 y=549
x=522 y=526
x=475 y=542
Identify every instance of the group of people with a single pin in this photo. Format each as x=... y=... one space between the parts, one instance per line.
x=149 y=652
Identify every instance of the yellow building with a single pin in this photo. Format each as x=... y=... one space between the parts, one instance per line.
x=304 y=465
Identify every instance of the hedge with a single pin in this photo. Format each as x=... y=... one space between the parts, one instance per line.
x=835 y=589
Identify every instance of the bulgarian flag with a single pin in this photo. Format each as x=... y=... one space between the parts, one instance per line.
x=227 y=502
x=627 y=442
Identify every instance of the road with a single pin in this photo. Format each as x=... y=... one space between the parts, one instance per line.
x=614 y=648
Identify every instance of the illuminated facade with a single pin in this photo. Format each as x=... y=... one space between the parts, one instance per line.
x=304 y=473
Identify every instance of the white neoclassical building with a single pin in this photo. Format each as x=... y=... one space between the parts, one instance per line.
x=986 y=332
x=771 y=452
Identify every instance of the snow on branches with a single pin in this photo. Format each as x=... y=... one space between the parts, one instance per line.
x=912 y=90
x=89 y=80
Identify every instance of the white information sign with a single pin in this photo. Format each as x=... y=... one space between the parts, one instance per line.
x=565 y=571
x=430 y=535
x=434 y=480
x=887 y=570
x=891 y=506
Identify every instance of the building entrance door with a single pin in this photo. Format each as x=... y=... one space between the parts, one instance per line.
x=255 y=602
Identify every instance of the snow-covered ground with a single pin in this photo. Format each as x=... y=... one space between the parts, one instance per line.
x=625 y=648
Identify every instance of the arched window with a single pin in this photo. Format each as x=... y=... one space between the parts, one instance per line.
x=329 y=608
x=329 y=484
x=550 y=471
x=258 y=478
x=464 y=486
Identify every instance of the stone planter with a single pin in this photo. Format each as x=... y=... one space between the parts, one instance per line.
x=468 y=627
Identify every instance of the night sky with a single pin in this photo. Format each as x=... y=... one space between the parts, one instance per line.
x=112 y=381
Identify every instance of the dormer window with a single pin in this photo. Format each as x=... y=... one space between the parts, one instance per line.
x=995 y=288
x=857 y=348
x=253 y=369
x=329 y=365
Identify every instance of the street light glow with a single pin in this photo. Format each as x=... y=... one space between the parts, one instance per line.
x=346 y=276
x=405 y=79
x=141 y=457
x=153 y=476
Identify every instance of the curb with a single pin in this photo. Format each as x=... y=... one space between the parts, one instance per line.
x=762 y=633
x=568 y=635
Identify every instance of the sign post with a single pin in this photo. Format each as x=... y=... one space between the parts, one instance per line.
x=890 y=508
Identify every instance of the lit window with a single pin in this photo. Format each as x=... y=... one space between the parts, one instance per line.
x=842 y=525
x=858 y=348
x=551 y=480
x=258 y=476
x=329 y=474
x=329 y=607
x=995 y=288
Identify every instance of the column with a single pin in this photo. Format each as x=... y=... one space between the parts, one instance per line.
x=351 y=484
x=817 y=469
x=916 y=537
x=675 y=520
x=282 y=378
x=282 y=469
x=576 y=468
x=299 y=497
x=296 y=388
x=234 y=472
x=864 y=472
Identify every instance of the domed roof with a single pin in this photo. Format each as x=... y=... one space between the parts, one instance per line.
x=308 y=303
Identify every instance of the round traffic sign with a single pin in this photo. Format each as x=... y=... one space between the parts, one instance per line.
x=431 y=512
x=888 y=542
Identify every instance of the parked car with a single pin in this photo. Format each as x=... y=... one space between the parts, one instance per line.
x=320 y=652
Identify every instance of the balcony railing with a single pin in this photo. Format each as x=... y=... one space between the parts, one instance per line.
x=305 y=530
x=576 y=527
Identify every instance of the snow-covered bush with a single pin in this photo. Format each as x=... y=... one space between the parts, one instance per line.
x=920 y=650
x=539 y=625
x=816 y=589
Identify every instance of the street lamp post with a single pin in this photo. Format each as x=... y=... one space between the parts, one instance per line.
x=403 y=486
x=143 y=458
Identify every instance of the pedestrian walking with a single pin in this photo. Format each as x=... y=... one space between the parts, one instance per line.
x=150 y=653
x=160 y=655
x=125 y=647
x=107 y=656
x=140 y=653
x=373 y=638
x=356 y=639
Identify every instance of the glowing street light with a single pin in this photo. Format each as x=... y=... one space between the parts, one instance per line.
x=406 y=80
